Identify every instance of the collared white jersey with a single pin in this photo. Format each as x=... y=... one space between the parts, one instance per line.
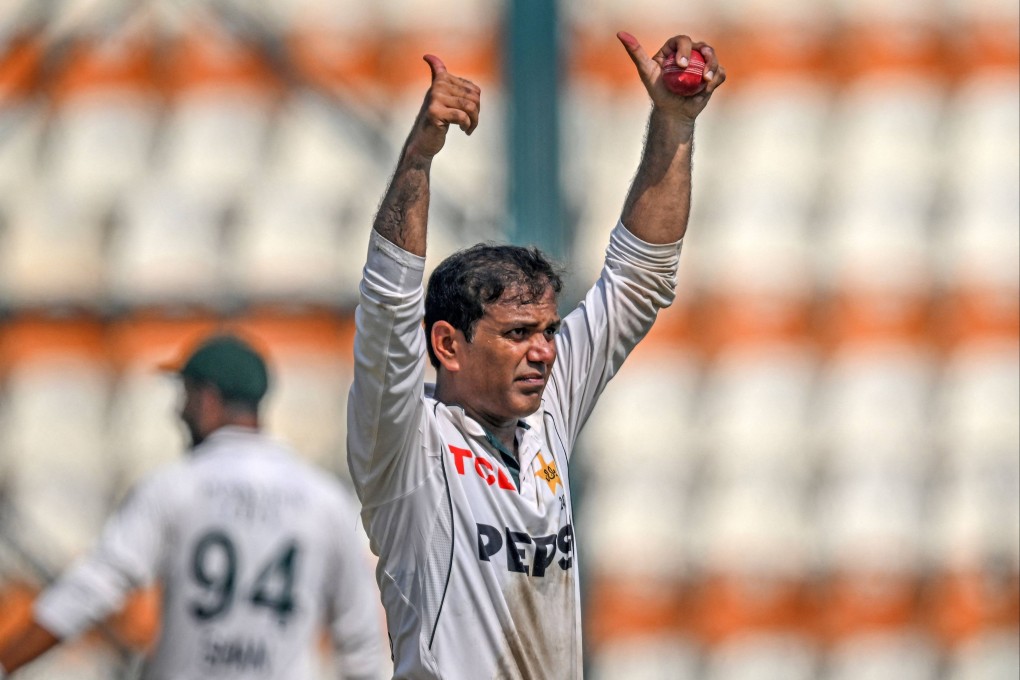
x=479 y=577
x=256 y=551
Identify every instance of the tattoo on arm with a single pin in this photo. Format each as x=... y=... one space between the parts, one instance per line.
x=402 y=218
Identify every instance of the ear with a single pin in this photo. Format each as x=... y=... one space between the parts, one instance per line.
x=446 y=342
x=211 y=404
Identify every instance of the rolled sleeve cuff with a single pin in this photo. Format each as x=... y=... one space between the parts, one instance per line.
x=391 y=268
x=65 y=620
x=656 y=256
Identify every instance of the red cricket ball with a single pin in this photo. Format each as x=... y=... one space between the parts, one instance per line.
x=684 y=81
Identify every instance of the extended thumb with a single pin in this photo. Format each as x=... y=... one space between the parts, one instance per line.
x=436 y=65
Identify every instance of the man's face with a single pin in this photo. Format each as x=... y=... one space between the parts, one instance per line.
x=506 y=366
x=193 y=410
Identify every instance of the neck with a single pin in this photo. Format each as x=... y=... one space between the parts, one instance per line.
x=250 y=422
x=505 y=433
x=503 y=430
x=238 y=418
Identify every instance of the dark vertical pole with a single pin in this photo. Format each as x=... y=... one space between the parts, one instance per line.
x=533 y=78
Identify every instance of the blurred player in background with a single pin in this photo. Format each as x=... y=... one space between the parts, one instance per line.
x=256 y=550
x=464 y=484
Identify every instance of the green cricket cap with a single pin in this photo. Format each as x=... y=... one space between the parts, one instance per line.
x=231 y=364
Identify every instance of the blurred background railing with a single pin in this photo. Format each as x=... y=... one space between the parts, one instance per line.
x=811 y=469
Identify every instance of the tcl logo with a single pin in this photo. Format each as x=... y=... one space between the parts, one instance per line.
x=483 y=468
x=517 y=546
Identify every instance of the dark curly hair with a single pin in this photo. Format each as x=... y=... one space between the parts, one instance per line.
x=465 y=282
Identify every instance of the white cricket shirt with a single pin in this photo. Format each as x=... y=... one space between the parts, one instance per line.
x=256 y=551
x=478 y=577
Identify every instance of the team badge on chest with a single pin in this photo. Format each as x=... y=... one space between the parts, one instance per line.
x=549 y=474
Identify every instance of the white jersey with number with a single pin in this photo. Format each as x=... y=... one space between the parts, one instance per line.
x=256 y=552
x=479 y=576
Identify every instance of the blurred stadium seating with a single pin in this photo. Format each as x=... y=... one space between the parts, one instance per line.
x=811 y=469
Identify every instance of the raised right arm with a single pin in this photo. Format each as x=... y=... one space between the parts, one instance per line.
x=403 y=215
x=385 y=405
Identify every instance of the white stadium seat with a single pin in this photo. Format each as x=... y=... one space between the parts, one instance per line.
x=762 y=656
x=883 y=656
x=635 y=427
x=101 y=144
x=877 y=393
x=753 y=527
x=994 y=655
x=286 y=244
x=978 y=400
x=755 y=411
x=166 y=247
x=308 y=405
x=23 y=125
x=646 y=658
x=870 y=522
x=54 y=434
x=51 y=252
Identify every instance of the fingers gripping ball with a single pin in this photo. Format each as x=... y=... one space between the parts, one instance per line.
x=684 y=81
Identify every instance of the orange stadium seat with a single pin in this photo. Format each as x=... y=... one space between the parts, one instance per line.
x=137 y=624
x=106 y=104
x=20 y=115
x=871 y=551
x=466 y=35
x=875 y=260
x=856 y=602
x=19 y=154
x=627 y=610
x=15 y=607
x=989 y=34
x=20 y=61
x=966 y=603
x=980 y=276
x=335 y=47
x=752 y=548
x=223 y=93
x=974 y=539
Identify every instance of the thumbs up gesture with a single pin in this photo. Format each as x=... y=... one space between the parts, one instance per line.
x=450 y=100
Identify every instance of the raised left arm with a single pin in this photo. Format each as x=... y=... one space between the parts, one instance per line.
x=659 y=202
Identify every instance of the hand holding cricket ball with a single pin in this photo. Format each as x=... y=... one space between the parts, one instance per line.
x=680 y=77
x=686 y=78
